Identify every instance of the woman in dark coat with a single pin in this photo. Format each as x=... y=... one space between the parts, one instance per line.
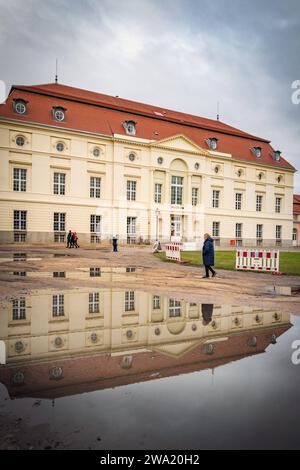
x=208 y=255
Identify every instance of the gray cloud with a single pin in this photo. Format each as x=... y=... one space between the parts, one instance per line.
x=182 y=54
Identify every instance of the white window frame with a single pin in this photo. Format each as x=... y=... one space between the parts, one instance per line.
x=216 y=198
x=216 y=229
x=238 y=230
x=59 y=221
x=195 y=192
x=158 y=193
x=259 y=202
x=174 y=308
x=278 y=232
x=278 y=204
x=131 y=190
x=20 y=220
x=129 y=301
x=176 y=190
x=156 y=302
x=238 y=201
x=95 y=223
x=58 y=307
x=94 y=302
x=19 y=309
x=259 y=231
x=95 y=187
x=59 y=183
x=19 y=179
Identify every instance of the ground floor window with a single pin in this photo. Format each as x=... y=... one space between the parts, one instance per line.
x=259 y=234
x=131 y=229
x=20 y=220
x=278 y=233
x=19 y=237
x=239 y=234
x=95 y=228
x=95 y=272
x=295 y=235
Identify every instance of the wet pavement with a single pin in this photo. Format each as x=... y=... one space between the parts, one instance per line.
x=119 y=368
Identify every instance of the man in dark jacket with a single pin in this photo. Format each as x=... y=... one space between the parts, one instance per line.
x=69 y=238
x=115 y=243
x=208 y=255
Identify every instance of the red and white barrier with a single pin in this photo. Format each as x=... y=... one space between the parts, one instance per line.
x=258 y=260
x=173 y=251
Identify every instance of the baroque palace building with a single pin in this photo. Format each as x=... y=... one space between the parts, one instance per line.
x=102 y=166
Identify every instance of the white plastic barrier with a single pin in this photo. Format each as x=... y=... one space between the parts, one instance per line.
x=173 y=251
x=258 y=260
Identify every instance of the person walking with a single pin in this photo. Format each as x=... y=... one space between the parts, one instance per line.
x=69 y=239
x=72 y=240
x=115 y=243
x=76 y=240
x=208 y=255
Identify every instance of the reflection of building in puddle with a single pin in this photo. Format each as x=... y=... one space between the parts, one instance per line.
x=107 y=337
x=106 y=273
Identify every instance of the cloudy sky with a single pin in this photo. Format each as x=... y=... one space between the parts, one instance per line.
x=181 y=54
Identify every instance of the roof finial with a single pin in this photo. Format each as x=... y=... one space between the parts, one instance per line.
x=218 y=111
x=56 y=66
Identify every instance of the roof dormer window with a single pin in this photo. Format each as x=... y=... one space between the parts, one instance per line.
x=212 y=143
x=58 y=113
x=20 y=106
x=130 y=127
x=277 y=155
x=257 y=151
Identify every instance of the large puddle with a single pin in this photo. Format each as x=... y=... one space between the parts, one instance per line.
x=114 y=369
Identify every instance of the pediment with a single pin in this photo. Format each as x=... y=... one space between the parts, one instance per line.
x=176 y=349
x=182 y=143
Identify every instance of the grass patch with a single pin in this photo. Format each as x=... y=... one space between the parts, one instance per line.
x=289 y=261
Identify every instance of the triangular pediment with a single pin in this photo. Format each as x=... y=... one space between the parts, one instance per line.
x=176 y=349
x=182 y=143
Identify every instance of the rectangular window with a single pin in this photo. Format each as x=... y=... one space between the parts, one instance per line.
x=216 y=229
x=174 y=308
x=156 y=302
x=238 y=201
x=19 y=309
x=20 y=220
x=129 y=301
x=259 y=231
x=59 y=183
x=238 y=230
x=131 y=229
x=259 y=200
x=59 y=274
x=58 y=305
x=278 y=204
x=131 y=190
x=94 y=302
x=19 y=179
x=95 y=185
x=19 y=237
x=95 y=272
x=194 y=196
x=95 y=224
x=176 y=189
x=278 y=232
x=59 y=222
x=157 y=193
x=215 y=198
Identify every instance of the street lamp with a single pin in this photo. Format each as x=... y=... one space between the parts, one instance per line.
x=157 y=214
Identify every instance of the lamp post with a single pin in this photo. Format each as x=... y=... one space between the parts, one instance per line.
x=157 y=214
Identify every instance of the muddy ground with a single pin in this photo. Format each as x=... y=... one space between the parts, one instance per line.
x=153 y=275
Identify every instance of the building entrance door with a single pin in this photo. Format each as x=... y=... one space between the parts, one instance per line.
x=176 y=228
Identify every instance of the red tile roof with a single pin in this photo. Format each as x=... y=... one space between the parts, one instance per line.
x=103 y=114
x=296 y=204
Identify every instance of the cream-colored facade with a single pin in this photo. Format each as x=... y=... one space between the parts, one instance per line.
x=134 y=179
x=62 y=323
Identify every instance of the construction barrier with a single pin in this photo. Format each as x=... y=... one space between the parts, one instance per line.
x=258 y=260
x=173 y=251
